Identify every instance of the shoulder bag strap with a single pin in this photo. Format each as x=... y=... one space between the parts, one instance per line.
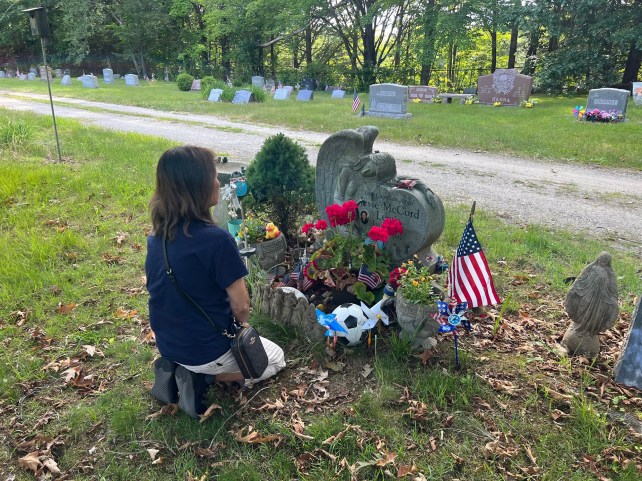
x=186 y=296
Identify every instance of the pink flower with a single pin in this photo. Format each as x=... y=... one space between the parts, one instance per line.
x=337 y=215
x=392 y=226
x=378 y=234
x=306 y=227
x=321 y=225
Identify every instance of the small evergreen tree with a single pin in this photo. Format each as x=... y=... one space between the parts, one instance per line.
x=282 y=181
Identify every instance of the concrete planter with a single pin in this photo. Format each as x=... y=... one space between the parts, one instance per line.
x=416 y=321
x=270 y=252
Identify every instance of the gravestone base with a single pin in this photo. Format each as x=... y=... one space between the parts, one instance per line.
x=389 y=116
x=628 y=369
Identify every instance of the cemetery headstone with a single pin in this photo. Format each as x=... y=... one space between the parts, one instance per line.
x=33 y=70
x=44 y=72
x=10 y=73
x=2 y=74
x=215 y=95
x=66 y=80
x=507 y=86
x=389 y=100
x=166 y=74
x=348 y=169
x=258 y=81
x=305 y=95
x=31 y=76
x=289 y=88
x=608 y=99
x=196 y=85
x=22 y=76
x=58 y=72
x=332 y=88
x=308 y=84
x=637 y=93
x=628 y=369
x=281 y=94
x=338 y=94
x=422 y=92
x=269 y=84
x=89 y=81
x=131 y=80
x=243 y=97
x=116 y=76
x=108 y=76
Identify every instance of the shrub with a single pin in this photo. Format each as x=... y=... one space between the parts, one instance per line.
x=208 y=83
x=259 y=93
x=228 y=94
x=184 y=82
x=282 y=180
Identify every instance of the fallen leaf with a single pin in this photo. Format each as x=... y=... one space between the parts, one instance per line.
x=336 y=366
x=65 y=308
x=30 y=461
x=209 y=412
x=91 y=350
x=152 y=453
x=386 y=459
x=254 y=437
x=405 y=470
x=425 y=356
x=125 y=313
x=120 y=238
x=366 y=370
x=51 y=465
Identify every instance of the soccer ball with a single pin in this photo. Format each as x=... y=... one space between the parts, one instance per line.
x=351 y=317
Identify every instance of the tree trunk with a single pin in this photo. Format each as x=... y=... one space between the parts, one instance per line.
x=424 y=76
x=531 y=54
x=259 y=66
x=308 y=45
x=493 y=48
x=225 y=59
x=513 y=45
x=632 y=66
x=553 y=43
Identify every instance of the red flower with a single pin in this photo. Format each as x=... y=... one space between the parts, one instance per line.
x=337 y=215
x=394 y=278
x=321 y=225
x=378 y=234
x=351 y=209
x=306 y=227
x=392 y=226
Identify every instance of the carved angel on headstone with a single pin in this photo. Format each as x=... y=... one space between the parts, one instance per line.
x=592 y=305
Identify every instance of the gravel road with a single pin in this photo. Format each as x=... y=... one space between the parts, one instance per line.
x=603 y=202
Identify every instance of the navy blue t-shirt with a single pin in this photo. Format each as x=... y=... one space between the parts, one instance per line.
x=205 y=263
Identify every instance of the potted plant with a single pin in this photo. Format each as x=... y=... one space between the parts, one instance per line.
x=266 y=238
x=417 y=293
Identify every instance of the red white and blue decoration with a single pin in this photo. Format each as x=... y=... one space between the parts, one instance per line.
x=451 y=317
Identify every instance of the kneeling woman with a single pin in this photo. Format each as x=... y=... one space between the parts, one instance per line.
x=206 y=265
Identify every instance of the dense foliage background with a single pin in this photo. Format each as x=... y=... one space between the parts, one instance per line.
x=567 y=45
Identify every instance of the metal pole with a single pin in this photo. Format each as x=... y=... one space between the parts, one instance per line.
x=53 y=114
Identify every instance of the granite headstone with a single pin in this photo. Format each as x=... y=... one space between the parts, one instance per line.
x=215 y=95
x=507 y=86
x=637 y=93
x=89 y=81
x=628 y=369
x=608 y=99
x=308 y=84
x=258 y=81
x=338 y=94
x=269 y=84
x=66 y=80
x=44 y=72
x=31 y=76
x=196 y=85
x=348 y=169
x=33 y=70
x=422 y=92
x=243 y=97
x=58 y=72
x=305 y=95
x=281 y=94
x=22 y=76
x=108 y=76
x=131 y=80
x=289 y=88
x=2 y=74
x=389 y=100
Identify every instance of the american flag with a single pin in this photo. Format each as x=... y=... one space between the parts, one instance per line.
x=370 y=279
x=356 y=101
x=469 y=279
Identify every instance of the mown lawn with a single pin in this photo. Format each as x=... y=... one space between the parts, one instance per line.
x=547 y=131
x=76 y=354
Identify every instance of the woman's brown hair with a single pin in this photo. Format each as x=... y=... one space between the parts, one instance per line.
x=184 y=187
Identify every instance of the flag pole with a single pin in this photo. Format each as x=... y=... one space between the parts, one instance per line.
x=472 y=211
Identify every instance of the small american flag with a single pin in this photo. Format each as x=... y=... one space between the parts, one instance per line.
x=370 y=279
x=469 y=279
x=356 y=101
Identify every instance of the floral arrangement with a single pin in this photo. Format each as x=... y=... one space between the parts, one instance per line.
x=256 y=230
x=346 y=250
x=415 y=282
x=526 y=104
x=436 y=100
x=497 y=104
x=597 y=115
x=416 y=101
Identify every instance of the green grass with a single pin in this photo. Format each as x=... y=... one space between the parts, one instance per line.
x=547 y=131
x=60 y=225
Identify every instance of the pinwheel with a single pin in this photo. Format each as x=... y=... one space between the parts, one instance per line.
x=373 y=315
x=450 y=317
x=329 y=321
x=578 y=111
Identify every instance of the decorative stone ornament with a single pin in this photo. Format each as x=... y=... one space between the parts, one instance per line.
x=592 y=305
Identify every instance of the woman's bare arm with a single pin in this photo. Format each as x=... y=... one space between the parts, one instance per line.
x=239 y=301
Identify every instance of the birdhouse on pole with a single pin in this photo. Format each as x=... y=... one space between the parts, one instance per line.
x=38 y=21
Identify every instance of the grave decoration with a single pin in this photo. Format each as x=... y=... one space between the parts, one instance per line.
x=637 y=93
x=506 y=86
x=606 y=105
x=451 y=317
